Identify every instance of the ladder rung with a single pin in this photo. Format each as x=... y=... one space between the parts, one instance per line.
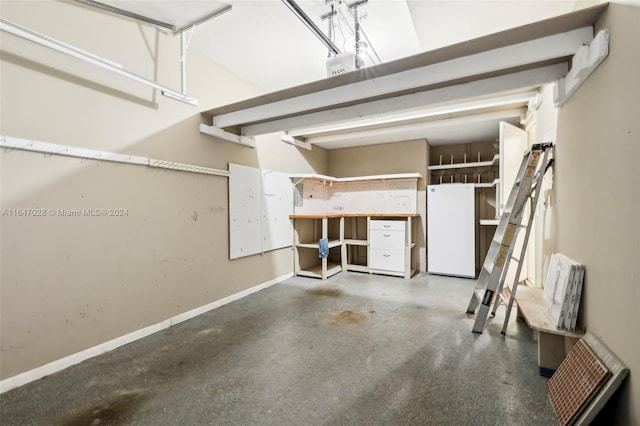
x=505 y=294
x=515 y=258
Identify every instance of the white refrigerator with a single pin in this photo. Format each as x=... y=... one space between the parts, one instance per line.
x=451 y=230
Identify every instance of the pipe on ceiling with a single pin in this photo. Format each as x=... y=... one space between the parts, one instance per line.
x=293 y=6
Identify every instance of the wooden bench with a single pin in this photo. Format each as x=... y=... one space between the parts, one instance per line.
x=553 y=344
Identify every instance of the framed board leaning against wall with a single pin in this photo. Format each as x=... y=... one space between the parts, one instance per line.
x=260 y=202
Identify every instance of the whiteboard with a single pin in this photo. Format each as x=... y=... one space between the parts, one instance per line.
x=260 y=202
x=277 y=205
x=245 y=211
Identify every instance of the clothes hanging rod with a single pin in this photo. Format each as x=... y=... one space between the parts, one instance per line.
x=11 y=143
x=67 y=49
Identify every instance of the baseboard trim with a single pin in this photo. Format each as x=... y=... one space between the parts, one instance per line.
x=62 y=363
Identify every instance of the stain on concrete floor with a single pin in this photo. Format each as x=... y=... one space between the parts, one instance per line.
x=113 y=411
x=343 y=318
x=326 y=291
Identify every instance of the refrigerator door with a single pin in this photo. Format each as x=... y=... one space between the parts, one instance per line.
x=451 y=230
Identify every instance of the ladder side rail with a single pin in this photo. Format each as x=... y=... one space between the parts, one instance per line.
x=503 y=276
x=516 y=278
x=475 y=299
x=504 y=218
x=485 y=274
x=505 y=250
x=516 y=217
x=485 y=303
x=534 y=203
x=522 y=189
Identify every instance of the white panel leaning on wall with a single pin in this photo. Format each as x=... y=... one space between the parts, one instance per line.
x=260 y=202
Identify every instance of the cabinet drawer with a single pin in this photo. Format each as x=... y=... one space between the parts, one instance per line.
x=387 y=260
x=386 y=240
x=388 y=225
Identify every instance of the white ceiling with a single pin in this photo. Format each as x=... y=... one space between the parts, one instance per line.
x=263 y=42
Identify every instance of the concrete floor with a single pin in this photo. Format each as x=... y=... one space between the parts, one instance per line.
x=356 y=349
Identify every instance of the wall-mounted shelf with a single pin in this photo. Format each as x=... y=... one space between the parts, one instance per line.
x=493 y=162
x=493 y=184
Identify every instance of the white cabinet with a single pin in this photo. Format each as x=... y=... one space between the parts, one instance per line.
x=390 y=247
x=387 y=260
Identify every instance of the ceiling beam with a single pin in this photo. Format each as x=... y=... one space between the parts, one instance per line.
x=517 y=81
x=586 y=17
x=521 y=55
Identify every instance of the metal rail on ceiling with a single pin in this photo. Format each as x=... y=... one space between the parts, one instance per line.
x=297 y=10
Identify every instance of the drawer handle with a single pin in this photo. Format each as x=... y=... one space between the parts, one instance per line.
x=387 y=226
x=387 y=235
x=386 y=255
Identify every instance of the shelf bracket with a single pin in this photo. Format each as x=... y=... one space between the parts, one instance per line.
x=296 y=142
x=227 y=136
